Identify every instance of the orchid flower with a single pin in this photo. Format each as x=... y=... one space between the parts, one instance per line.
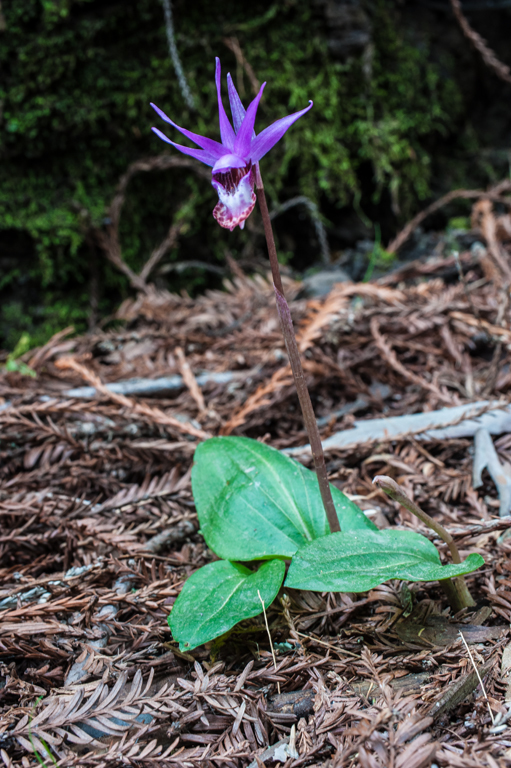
x=233 y=161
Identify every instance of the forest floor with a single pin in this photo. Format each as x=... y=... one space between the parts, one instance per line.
x=98 y=530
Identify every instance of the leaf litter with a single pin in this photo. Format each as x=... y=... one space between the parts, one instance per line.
x=98 y=530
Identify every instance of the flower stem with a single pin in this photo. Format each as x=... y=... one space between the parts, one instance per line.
x=395 y=492
x=296 y=365
x=455 y=589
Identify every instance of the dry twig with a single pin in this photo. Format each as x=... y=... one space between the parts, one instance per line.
x=487 y=55
x=154 y=414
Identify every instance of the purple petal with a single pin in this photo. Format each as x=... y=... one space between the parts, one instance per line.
x=227 y=162
x=242 y=146
x=269 y=137
x=237 y=108
x=226 y=132
x=199 y=154
x=213 y=147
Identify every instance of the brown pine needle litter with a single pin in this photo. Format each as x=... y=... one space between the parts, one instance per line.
x=98 y=530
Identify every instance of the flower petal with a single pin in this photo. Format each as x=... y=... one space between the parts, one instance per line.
x=237 y=108
x=226 y=131
x=211 y=146
x=199 y=154
x=227 y=162
x=236 y=205
x=242 y=146
x=269 y=137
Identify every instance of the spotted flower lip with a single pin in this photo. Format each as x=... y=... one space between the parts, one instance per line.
x=233 y=160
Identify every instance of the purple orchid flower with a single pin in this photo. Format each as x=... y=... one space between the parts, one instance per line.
x=233 y=161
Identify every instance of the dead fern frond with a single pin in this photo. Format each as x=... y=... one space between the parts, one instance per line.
x=151 y=488
x=86 y=716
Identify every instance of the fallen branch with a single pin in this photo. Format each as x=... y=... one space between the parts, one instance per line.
x=390 y=357
x=487 y=526
x=446 y=423
x=109 y=240
x=174 y=55
x=482 y=215
x=487 y=55
x=465 y=194
x=441 y=267
x=486 y=457
x=155 y=387
x=159 y=252
x=110 y=243
x=170 y=536
x=154 y=414
x=233 y=44
x=312 y=209
x=190 y=380
x=458 y=691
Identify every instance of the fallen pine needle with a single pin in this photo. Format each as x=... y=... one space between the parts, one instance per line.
x=269 y=636
x=328 y=645
x=478 y=676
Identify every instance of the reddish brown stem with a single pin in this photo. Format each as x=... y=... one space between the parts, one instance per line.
x=295 y=362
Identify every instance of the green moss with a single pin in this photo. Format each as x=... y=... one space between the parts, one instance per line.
x=78 y=79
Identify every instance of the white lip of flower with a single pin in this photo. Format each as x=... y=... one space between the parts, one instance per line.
x=236 y=197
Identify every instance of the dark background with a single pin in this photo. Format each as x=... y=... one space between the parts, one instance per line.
x=404 y=111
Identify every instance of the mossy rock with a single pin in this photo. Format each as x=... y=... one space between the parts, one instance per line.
x=78 y=76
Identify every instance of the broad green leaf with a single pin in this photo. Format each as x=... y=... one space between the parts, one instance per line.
x=357 y=561
x=254 y=503
x=218 y=596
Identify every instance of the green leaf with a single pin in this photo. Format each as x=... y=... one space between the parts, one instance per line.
x=253 y=502
x=218 y=596
x=357 y=561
